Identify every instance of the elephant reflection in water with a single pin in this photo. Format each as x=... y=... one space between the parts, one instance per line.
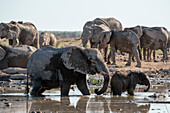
x=115 y=104
x=86 y=104
x=45 y=105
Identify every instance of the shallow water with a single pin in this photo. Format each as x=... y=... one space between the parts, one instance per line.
x=52 y=102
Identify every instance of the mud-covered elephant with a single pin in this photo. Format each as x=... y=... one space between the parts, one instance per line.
x=20 y=33
x=125 y=41
x=15 y=56
x=50 y=68
x=122 y=82
x=47 y=38
x=152 y=38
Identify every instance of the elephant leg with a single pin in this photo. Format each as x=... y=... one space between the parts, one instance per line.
x=139 y=51
x=131 y=91
x=165 y=57
x=105 y=53
x=108 y=60
x=37 y=85
x=129 y=60
x=144 y=54
x=41 y=91
x=65 y=88
x=136 y=54
x=113 y=55
x=154 y=55
x=82 y=84
x=117 y=90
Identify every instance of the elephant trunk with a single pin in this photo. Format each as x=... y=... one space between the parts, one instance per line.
x=105 y=73
x=104 y=88
x=149 y=85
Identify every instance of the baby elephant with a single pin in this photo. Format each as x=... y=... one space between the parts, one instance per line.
x=121 y=83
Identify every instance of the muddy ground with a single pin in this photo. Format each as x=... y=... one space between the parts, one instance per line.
x=13 y=99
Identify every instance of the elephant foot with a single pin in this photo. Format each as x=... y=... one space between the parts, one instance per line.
x=108 y=62
x=166 y=59
x=155 y=61
x=128 y=64
x=138 y=65
x=113 y=64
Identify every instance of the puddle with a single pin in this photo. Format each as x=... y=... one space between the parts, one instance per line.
x=52 y=102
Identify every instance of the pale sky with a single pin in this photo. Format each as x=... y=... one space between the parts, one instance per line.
x=71 y=15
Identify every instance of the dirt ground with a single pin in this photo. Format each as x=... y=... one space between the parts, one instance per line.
x=13 y=83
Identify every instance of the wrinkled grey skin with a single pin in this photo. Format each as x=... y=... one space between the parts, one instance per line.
x=100 y=29
x=88 y=28
x=121 y=83
x=15 y=56
x=152 y=38
x=125 y=41
x=20 y=33
x=65 y=66
x=47 y=38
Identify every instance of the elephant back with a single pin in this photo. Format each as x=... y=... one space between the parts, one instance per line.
x=113 y=23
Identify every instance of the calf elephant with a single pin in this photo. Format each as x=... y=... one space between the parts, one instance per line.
x=15 y=56
x=50 y=68
x=20 y=33
x=47 y=38
x=121 y=83
x=125 y=41
x=152 y=38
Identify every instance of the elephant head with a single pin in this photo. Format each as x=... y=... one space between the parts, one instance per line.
x=86 y=61
x=142 y=79
x=137 y=29
x=10 y=31
x=4 y=28
x=86 y=35
x=101 y=35
x=2 y=53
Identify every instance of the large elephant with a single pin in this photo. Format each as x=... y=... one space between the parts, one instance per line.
x=97 y=29
x=50 y=68
x=20 y=33
x=125 y=41
x=88 y=33
x=152 y=38
x=121 y=83
x=15 y=56
x=47 y=38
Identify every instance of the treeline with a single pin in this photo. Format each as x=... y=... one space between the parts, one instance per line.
x=65 y=33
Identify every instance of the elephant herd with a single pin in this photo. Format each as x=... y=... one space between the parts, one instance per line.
x=102 y=32
x=51 y=67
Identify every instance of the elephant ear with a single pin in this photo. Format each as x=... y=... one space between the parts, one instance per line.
x=74 y=58
x=2 y=53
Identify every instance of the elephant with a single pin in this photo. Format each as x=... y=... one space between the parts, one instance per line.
x=121 y=82
x=51 y=68
x=47 y=38
x=125 y=41
x=15 y=56
x=152 y=38
x=93 y=30
x=20 y=33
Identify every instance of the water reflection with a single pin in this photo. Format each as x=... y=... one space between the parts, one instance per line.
x=87 y=104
